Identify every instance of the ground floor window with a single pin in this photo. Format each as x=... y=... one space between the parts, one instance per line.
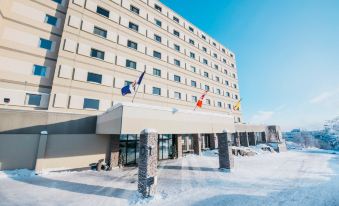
x=129 y=149
x=165 y=146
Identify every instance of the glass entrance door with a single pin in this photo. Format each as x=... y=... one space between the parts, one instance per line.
x=165 y=147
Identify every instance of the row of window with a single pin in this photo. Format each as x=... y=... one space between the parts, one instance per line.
x=136 y=10
x=135 y=27
x=157 y=72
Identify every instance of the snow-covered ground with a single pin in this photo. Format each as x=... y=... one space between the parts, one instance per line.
x=307 y=177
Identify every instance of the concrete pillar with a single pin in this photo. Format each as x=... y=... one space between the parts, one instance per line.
x=41 y=151
x=148 y=162
x=179 y=145
x=113 y=152
x=214 y=141
x=226 y=160
x=237 y=139
x=263 y=137
x=197 y=144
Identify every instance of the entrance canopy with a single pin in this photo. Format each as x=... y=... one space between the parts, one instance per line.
x=132 y=118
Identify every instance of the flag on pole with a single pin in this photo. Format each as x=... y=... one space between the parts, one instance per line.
x=133 y=87
x=237 y=106
x=199 y=102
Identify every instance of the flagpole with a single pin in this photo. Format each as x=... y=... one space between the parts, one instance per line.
x=135 y=92
x=138 y=87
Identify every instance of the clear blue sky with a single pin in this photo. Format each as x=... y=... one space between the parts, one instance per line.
x=287 y=55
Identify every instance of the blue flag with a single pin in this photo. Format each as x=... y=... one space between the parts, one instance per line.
x=129 y=89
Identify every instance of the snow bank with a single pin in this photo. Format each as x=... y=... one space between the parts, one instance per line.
x=21 y=173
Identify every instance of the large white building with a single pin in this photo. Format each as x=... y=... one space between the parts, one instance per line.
x=63 y=62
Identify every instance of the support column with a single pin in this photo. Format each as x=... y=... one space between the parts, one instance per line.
x=113 y=153
x=237 y=139
x=197 y=144
x=214 y=141
x=148 y=162
x=179 y=145
x=226 y=160
x=41 y=151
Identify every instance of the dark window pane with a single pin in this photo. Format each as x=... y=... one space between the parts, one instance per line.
x=132 y=45
x=45 y=44
x=134 y=9
x=39 y=70
x=51 y=20
x=100 y=32
x=92 y=77
x=131 y=64
x=34 y=99
x=133 y=26
x=97 y=54
x=91 y=103
x=103 y=11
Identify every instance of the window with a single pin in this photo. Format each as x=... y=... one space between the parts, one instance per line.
x=177 y=78
x=225 y=71
x=216 y=66
x=229 y=106
x=91 y=104
x=236 y=96
x=58 y=1
x=157 y=38
x=176 y=33
x=219 y=104
x=102 y=11
x=92 y=77
x=177 y=62
x=99 y=31
x=215 y=55
x=227 y=83
x=33 y=99
x=233 y=75
x=156 y=91
x=39 y=70
x=132 y=45
x=131 y=64
x=218 y=91
x=204 y=49
x=51 y=20
x=177 y=47
x=176 y=19
x=224 y=60
x=193 y=83
x=203 y=36
x=223 y=50
x=134 y=9
x=231 y=55
x=232 y=65
x=191 y=41
x=192 y=55
x=97 y=54
x=133 y=26
x=208 y=101
x=206 y=74
x=227 y=94
x=158 y=22
x=191 y=29
x=214 y=44
x=205 y=61
x=157 y=54
x=157 y=7
x=194 y=98
x=239 y=120
x=207 y=88
x=156 y=72
x=193 y=69
x=235 y=86
x=217 y=79
x=45 y=44
x=177 y=95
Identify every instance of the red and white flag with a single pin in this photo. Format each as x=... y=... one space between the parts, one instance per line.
x=199 y=102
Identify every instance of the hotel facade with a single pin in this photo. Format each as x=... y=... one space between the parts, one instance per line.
x=63 y=64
